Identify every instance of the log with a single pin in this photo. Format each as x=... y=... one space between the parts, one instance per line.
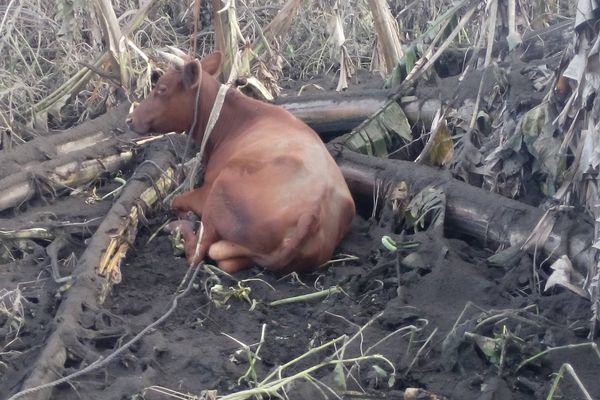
x=95 y=273
x=331 y=114
x=494 y=220
x=57 y=144
x=71 y=171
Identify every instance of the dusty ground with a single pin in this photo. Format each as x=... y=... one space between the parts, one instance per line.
x=191 y=352
x=447 y=294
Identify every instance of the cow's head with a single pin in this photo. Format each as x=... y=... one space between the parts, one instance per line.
x=170 y=105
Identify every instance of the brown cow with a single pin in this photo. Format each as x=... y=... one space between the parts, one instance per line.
x=272 y=194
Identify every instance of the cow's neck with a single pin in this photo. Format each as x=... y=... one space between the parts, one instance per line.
x=236 y=108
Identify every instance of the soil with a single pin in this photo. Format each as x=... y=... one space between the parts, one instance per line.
x=443 y=283
x=426 y=309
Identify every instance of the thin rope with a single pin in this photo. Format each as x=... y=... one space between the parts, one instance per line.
x=195 y=172
x=101 y=362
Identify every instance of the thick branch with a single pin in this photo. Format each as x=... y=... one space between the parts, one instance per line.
x=88 y=134
x=68 y=172
x=333 y=113
x=89 y=288
x=488 y=217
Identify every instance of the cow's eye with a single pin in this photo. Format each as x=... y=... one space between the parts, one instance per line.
x=155 y=76
x=161 y=90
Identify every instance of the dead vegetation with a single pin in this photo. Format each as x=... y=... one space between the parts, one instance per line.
x=71 y=201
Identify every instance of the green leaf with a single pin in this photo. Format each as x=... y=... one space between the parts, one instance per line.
x=382 y=135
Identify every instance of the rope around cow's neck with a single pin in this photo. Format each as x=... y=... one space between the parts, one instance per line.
x=196 y=162
x=195 y=171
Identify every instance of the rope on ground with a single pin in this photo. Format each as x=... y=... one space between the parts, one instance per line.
x=190 y=276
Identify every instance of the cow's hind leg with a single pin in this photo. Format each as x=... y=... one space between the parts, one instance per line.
x=230 y=257
x=233 y=265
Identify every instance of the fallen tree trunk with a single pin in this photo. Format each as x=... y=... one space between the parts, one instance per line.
x=331 y=114
x=494 y=220
x=97 y=270
x=75 y=169
x=57 y=144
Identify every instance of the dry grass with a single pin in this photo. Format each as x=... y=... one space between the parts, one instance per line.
x=45 y=42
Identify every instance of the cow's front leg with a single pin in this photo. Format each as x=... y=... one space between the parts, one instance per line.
x=182 y=230
x=188 y=207
x=190 y=201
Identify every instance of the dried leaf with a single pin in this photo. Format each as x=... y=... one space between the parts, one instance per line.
x=542 y=145
x=259 y=88
x=339 y=376
x=590 y=153
x=336 y=31
x=514 y=40
x=514 y=164
x=533 y=121
x=506 y=258
x=564 y=274
x=441 y=150
x=489 y=347
x=546 y=151
x=467 y=158
x=585 y=11
x=421 y=394
x=346 y=69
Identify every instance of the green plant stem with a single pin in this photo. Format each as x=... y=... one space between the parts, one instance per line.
x=306 y=297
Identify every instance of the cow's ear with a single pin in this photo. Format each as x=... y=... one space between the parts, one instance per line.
x=212 y=62
x=192 y=71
